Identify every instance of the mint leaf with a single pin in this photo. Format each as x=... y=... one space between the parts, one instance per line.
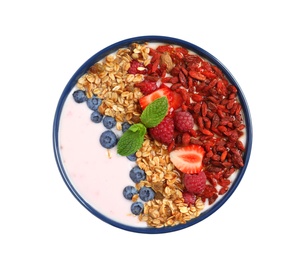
x=155 y=112
x=132 y=140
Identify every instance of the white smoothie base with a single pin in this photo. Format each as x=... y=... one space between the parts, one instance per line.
x=99 y=175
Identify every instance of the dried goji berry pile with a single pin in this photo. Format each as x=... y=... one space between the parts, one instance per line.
x=212 y=100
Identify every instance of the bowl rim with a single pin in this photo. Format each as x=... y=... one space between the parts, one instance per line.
x=166 y=40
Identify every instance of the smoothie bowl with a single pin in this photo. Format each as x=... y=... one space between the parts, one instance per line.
x=152 y=134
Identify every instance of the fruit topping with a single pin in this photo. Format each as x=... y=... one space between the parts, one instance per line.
x=137 y=174
x=129 y=192
x=96 y=117
x=125 y=126
x=174 y=99
x=184 y=121
x=147 y=86
x=146 y=193
x=79 y=96
x=93 y=103
x=195 y=183
x=137 y=208
x=163 y=132
x=136 y=67
x=132 y=157
x=109 y=122
x=188 y=159
x=189 y=198
x=108 y=139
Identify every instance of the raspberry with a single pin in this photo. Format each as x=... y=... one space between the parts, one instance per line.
x=189 y=198
x=195 y=183
x=134 y=65
x=184 y=121
x=147 y=87
x=163 y=132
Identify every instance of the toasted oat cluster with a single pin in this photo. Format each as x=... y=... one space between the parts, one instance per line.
x=109 y=80
x=168 y=207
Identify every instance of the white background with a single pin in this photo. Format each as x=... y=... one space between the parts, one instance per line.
x=44 y=42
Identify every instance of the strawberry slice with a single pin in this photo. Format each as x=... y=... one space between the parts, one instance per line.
x=188 y=159
x=174 y=99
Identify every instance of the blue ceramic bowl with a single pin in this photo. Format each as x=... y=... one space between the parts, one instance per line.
x=125 y=43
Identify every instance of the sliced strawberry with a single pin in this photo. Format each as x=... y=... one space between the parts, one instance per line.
x=188 y=159
x=160 y=92
x=174 y=99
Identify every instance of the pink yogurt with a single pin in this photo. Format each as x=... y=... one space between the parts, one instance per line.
x=97 y=174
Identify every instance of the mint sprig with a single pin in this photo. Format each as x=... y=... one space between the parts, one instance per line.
x=132 y=140
x=154 y=113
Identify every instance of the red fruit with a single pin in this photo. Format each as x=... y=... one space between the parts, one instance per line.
x=163 y=132
x=189 y=198
x=174 y=99
x=188 y=159
x=195 y=183
x=134 y=65
x=184 y=121
x=147 y=86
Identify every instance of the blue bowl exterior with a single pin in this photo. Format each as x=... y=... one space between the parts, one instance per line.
x=125 y=43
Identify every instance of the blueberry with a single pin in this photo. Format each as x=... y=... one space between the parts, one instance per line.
x=108 y=139
x=96 y=117
x=137 y=208
x=125 y=126
x=109 y=122
x=79 y=96
x=146 y=193
x=132 y=157
x=137 y=174
x=93 y=103
x=129 y=192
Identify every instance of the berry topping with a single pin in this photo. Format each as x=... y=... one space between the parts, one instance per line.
x=129 y=192
x=108 y=139
x=93 y=103
x=136 y=67
x=163 y=132
x=125 y=126
x=137 y=174
x=189 y=198
x=195 y=183
x=79 y=96
x=147 y=86
x=188 y=159
x=132 y=157
x=137 y=208
x=109 y=122
x=146 y=193
x=96 y=117
x=184 y=121
x=174 y=99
